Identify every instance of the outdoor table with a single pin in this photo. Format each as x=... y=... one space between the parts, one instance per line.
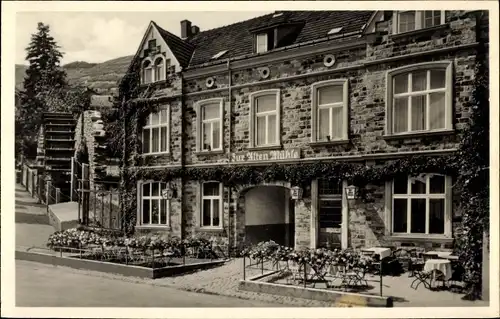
x=442 y=265
x=382 y=252
x=443 y=254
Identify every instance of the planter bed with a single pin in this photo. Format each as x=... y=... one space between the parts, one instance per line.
x=147 y=262
x=176 y=267
x=272 y=282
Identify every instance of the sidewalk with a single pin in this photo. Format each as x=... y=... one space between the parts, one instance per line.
x=32 y=222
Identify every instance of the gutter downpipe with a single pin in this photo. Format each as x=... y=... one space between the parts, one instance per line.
x=183 y=160
x=229 y=243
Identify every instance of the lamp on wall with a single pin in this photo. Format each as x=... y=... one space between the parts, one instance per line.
x=351 y=192
x=169 y=193
x=296 y=192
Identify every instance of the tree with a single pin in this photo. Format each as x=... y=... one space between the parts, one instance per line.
x=44 y=78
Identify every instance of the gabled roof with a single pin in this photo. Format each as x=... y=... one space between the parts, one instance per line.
x=182 y=50
x=238 y=37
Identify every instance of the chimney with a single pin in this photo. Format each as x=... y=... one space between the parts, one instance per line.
x=185 y=29
x=195 y=30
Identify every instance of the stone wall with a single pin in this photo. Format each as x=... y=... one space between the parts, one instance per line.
x=365 y=67
x=105 y=208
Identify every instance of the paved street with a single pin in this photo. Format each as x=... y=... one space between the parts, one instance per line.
x=40 y=285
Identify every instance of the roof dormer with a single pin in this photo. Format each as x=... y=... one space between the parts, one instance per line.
x=278 y=31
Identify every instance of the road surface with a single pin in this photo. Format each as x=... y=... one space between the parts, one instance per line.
x=41 y=285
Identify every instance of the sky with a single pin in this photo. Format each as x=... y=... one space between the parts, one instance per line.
x=100 y=36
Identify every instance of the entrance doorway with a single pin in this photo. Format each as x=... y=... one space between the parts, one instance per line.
x=330 y=214
x=269 y=215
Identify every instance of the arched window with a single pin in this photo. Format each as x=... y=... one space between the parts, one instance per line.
x=330 y=111
x=159 y=69
x=211 y=204
x=147 y=71
x=210 y=125
x=265 y=118
x=419 y=98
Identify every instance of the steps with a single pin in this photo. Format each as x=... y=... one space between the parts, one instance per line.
x=59 y=147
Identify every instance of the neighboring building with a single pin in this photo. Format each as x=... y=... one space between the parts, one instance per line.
x=304 y=87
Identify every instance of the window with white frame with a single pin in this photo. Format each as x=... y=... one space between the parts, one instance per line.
x=159 y=69
x=147 y=71
x=261 y=42
x=419 y=98
x=211 y=204
x=330 y=203
x=265 y=118
x=421 y=205
x=210 y=114
x=406 y=21
x=329 y=110
x=155 y=134
x=154 y=209
x=154 y=71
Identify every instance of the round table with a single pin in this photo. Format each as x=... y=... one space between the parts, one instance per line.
x=382 y=252
x=441 y=265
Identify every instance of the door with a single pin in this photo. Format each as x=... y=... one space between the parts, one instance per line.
x=330 y=214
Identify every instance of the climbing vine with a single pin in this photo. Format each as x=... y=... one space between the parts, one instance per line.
x=303 y=174
x=473 y=180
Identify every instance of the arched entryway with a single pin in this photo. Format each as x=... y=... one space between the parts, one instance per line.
x=269 y=215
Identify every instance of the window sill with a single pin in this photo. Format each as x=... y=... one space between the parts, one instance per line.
x=419 y=238
x=327 y=143
x=403 y=35
x=265 y=148
x=153 y=84
x=152 y=227
x=210 y=229
x=151 y=155
x=418 y=134
x=208 y=153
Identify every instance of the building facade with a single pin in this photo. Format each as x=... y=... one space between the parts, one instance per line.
x=302 y=88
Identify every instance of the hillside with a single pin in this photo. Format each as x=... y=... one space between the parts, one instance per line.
x=102 y=77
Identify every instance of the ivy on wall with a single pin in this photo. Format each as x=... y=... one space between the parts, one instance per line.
x=470 y=166
x=473 y=181
x=303 y=174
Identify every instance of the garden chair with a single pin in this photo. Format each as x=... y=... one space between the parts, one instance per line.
x=421 y=276
x=417 y=261
x=295 y=272
x=403 y=256
x=346 y=276
x=357 y=277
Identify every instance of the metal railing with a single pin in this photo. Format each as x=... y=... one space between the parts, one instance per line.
x=97 y=207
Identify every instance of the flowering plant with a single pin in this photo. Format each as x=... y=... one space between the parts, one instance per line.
x=75 y=238
x=315 y=258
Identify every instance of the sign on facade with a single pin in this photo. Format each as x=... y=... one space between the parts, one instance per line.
x=265 y=155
